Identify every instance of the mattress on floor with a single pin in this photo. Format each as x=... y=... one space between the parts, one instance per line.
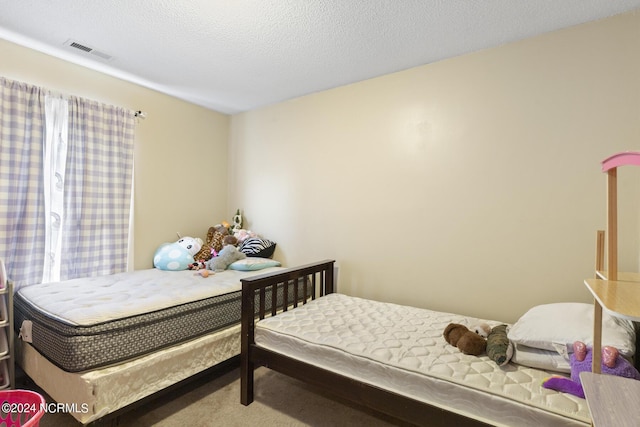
x=84 y=324
x=401 y=349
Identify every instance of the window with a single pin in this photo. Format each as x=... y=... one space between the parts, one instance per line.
x=66 y=166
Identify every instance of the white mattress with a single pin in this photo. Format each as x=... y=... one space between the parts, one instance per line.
x=401 y=349
x=89 y=301
x=107 y=389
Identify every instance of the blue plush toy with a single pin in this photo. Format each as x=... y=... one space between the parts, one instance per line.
x=178 y=255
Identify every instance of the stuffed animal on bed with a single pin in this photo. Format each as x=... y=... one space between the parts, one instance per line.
x=467 y=341
x=228 y=255
x=580 y=359
x=499 y=347
x=213 y=244
x=482 y=329
x=178 y=255
x=229 y=240
x=237 y=222
x=243 y=235
x=197 y=265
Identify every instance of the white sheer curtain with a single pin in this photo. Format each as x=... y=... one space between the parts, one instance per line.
x=55 y=159
x=66 y=173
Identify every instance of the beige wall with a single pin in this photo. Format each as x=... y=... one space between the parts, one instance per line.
x=180 y=149
x=469 y=185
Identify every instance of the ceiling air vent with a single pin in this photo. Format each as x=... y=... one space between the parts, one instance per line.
x=80 y=46
x=88 y=50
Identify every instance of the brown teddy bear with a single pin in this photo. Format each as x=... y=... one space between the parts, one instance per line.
x=467 y=341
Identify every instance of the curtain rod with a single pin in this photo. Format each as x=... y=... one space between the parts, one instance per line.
x=141 y=114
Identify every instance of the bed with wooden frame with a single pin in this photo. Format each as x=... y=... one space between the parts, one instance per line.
x=449 y=388
x=156 y=329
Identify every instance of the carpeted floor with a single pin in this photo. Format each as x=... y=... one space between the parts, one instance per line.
x=215 y=401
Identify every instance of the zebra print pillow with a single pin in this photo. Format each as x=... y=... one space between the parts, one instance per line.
x=257 y=247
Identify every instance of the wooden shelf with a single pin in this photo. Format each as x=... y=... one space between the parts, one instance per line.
x=622 y=276
x=614 y=292
x=618 y=298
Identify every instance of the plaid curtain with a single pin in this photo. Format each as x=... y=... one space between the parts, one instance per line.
x=97 y=186
x=22 y=221
x=97 y=189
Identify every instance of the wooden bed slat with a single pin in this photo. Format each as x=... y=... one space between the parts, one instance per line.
x=262 y=298
x=274 y=299
x=295 y=292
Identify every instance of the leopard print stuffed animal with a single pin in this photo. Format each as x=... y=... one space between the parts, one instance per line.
x=214 y=242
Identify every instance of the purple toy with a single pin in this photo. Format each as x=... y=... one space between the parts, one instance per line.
x=612 y=364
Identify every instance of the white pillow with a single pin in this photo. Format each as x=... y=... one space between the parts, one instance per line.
x=253 y=263
x=549 y=326
x=541 y=359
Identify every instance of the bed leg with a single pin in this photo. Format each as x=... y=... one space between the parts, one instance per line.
x=246 y=382
x=247 y=321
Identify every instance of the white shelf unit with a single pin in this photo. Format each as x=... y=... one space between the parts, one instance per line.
x=7 y=357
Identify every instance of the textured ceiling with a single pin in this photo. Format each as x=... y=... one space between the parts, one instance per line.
x=237 y=55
